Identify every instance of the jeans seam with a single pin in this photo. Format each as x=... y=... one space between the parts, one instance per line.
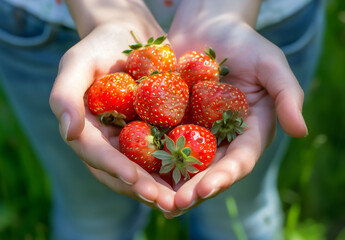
x=47 y=35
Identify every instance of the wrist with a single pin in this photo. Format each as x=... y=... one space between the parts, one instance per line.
x=243 y=10
x=87 y=15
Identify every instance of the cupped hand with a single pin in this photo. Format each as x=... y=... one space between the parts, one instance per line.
x=261 y=71
x=98 y=54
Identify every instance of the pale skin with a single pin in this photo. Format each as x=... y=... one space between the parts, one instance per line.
x=256 y=66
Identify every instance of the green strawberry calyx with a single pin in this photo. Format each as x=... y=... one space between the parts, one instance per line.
x=223 y=70
x=179 y=160
x=228 y=127
x=145 y=77
x=138 y=45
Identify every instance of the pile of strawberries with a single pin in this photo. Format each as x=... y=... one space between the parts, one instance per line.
x=174 y=113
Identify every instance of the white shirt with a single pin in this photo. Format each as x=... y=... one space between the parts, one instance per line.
x=55 y=11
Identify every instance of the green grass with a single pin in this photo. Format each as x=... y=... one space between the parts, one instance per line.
x=311 y=180
x=312 y=176
x=24 y=190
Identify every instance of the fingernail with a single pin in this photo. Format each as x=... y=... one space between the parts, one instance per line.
x=177 y=215
x=143 y=198
x=307 y=134
x=305 y=124
x=191 y=204
x=64 y=124
x=125 y=181
x=210 y=194
x=162 y=209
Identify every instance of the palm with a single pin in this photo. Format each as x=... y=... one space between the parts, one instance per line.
x=98 y=54
x=260 y=70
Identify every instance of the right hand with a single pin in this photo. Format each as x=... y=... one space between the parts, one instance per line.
x=98 y=54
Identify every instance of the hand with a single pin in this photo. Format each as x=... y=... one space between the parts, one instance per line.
x=100 y=53
x=261 y=71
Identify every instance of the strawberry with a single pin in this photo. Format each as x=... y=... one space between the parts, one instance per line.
x=138 y=140
x=195 y=67
x=188 y=150
x=161 y=99
x=144 y=59
x=219 y=106
x=111 y=97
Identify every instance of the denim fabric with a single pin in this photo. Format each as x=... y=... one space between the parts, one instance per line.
x=257 y=197
x=83 y=208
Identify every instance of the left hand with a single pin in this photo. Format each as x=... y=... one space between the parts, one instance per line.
x=261 y=71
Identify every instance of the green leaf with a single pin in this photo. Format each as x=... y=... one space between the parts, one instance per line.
x=180 y=143
x=167 y=168
x=215 y=127
x=136 y=46
x=225 y=117
x=192 y=160
x=211 y=53
x=184 y=173
x=161 y=133
x=244 y=125
x=192 y=169
x=160 y=154
x=127 y=52
x=154 y=72
x=154 y=131
x=223 y=71
x=141 y=79
x=239 y=130
x=176 y=175
x=221 y=137
x=170 y=144
x=159 y=40
x=150 y=41
x=166 y=161
x=187 y=151
x=230 y=136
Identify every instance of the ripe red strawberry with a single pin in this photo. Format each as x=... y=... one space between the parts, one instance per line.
x=138 y=140
x=187 y=118
x=111 y=97
x=161 y=99
x=144 y=59
x=219 y=106
x=188 y=150
x=195 y=67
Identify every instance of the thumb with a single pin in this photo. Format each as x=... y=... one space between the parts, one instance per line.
x=280 y=82
x=67 y=95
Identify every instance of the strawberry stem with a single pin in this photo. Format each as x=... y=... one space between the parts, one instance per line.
x=222 y=62
x=136 y=39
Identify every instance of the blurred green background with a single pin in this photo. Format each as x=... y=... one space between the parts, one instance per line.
x=311 y=180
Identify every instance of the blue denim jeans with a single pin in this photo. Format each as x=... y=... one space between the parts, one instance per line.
x=83 y=208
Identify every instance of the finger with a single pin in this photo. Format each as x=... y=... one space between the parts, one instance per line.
x=166 y=199
x=276 y=76
x=67 y=96
x=187 y=196
x=78 y=69
x=242 y=154
x=94 y=148
x=144 y=190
